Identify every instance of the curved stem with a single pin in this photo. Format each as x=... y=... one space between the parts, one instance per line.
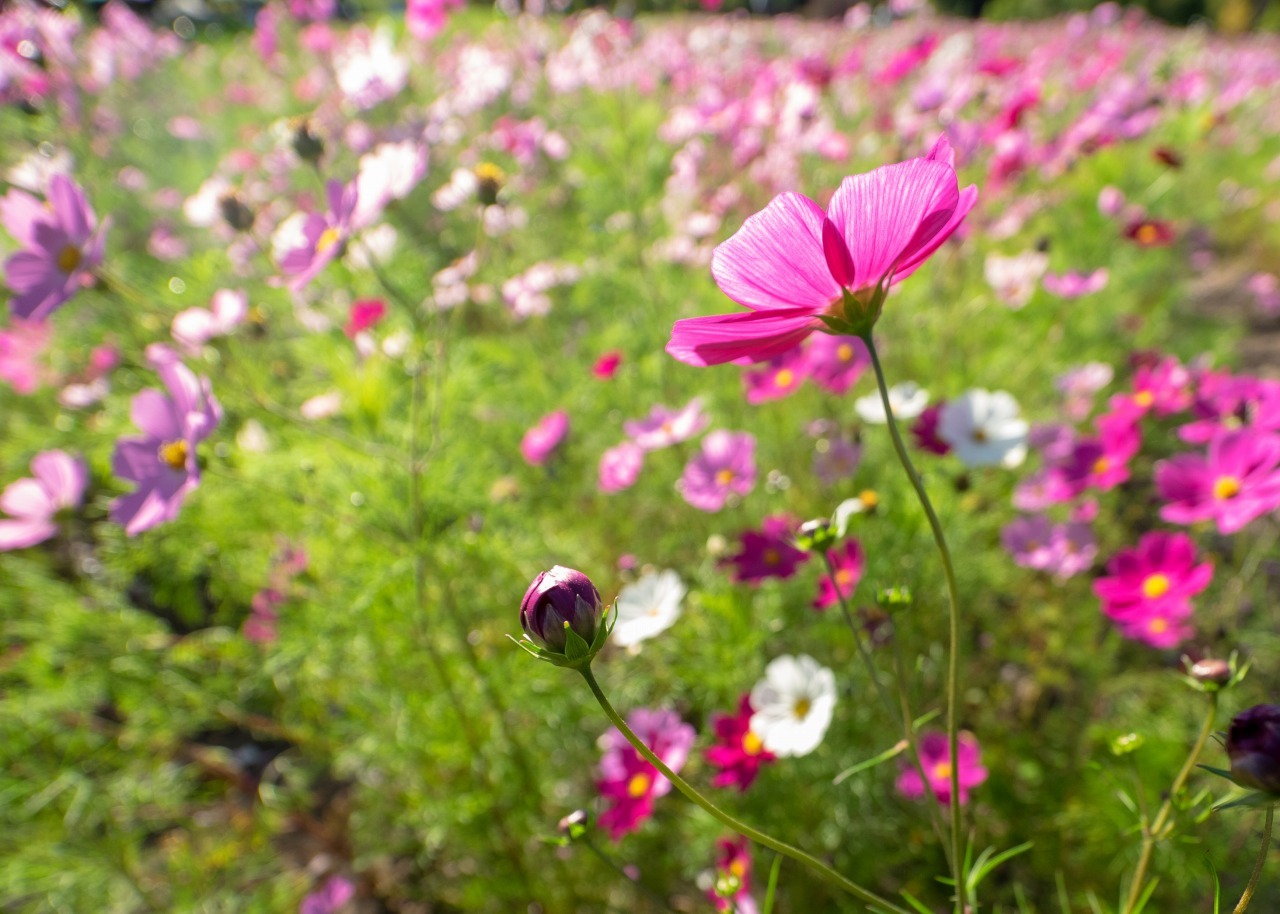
x=1257 y=867
x=1155 y=831
x=953 y=652
x=724 y=818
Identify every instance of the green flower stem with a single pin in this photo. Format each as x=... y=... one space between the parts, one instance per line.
x=741 y=828
x=1152 y=834
x=953 y=652
x=1257 y=867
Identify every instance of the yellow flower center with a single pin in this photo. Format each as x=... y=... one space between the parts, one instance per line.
x=979 y=435
x=1157 y=626
x=1144 y=398
x=1157 y=585
x=69 y=258
x=738 y=868
x=1226 y=487
x=942 y=771
x=1101 y=465
x=328 y=238
x=801 y=708
x=751 y=744
x=487 y=171
x=869 y=499
x=772 y=557
x=845 y=352
x=1147 y=234
x=785 y=378
x=174 y=454
x=844 y=578
x=724 y=477
x=639 y=785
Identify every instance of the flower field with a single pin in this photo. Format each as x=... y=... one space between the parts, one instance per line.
x=874 y=422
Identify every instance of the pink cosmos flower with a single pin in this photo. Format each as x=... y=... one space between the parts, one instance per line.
x=836 y=362
x=196 y=326
x=737 y=752
x=264 y=611
x=426 y=18
x=330 y=897
x=1237 y=481
x=364 y=314
x=1227 y=402
x=620 y=466
x=162 y=461
x=731 y=889
x=21 y=348
x=780 y=377
x=792 y=264
x=33 y=504
x=767 y=552
x=1063 y=550
x=726 y=467
x=627 y=781
x=544 y=437
x=1073 y=284
x=849 y=562
x=324 y=236
x=61 y=245
x=1148 y=589
x=925 y=431
x=1161 y=386
x=1079 y=385
x=606 y=366
x=666 y=427
x=935 y=758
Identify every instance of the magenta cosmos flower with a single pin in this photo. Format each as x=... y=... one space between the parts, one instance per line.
x=768 y=552
x=544 y=437
x=1148 y=589
x=620 y=466
x=731 y=889
x=848 y=563
x=725 y=467
x=324 y=236
x=627 y=781
x=799 y=269
x=61 y=244
x=738 y=752
x=1237 y=481
x=162 y=461
x=33 y=504
x=935 y=758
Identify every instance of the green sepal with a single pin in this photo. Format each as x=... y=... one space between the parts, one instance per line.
x=577 y=654
x=1253 y=800
x=1220 y=772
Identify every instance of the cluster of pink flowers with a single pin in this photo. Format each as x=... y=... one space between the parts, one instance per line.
x=264 y=608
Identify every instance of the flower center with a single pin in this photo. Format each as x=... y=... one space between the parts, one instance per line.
x=785 y=378
x=328 y=238
x=738 y=867
x=751 y=744
x=1158 y=626
x=639 y=785
x=69 y=258
x=1144 y=398
x=845 y=352
x=801 y=708
x=1147 y=234
x=1226 y=487
x=1156 y=585
x=942 y=771
x=174 y=454
x=724 y=477
x=979 y=435
x=844 y=578
x=869 y=499
x=771 y=557
x=1101 y=465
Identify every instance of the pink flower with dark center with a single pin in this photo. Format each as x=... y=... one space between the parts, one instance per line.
x=836 y=362
x=162 y=461
x=21 y=347
x=935 y=758
x=1148 y=589
x=1150 y=233
x=666 y=427
x=780 y=377
x=33 y=504
x=324 y=237
x=848 y=562
x=1237 y=481
x=1073 y=284
x=767 y=552
x=792 y=264
x=544 y=437
x=725 y=468
x=364 y=314
x=628 y=782
x=61 y=245
x=737 y=752
x=620 y=466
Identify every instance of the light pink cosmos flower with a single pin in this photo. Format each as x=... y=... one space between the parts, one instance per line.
x=666 y=427
x=21 y=347
x=726 y=467
x=780 y=377
x=162 y=461
x=935 y=758
x=194 y=327
x=324 y=237
x=620 y=467
x=836 y=362
x=848 y=562
x=61 y=245
x=1237 y=481
x=33 y=504
x=544 y=437
x=792 y=264
x=1074 y=284
x=1063 y=550
x=628 y=782
x=1148 y=589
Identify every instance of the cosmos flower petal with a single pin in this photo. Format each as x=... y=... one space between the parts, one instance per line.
x=753 y=335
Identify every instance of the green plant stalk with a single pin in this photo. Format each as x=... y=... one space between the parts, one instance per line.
x=1152 y=834
x=723 y=817
x=953 y=652
x=1257 y=866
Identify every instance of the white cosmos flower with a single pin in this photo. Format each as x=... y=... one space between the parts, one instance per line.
x=648 y=607
x=984 y=429
x=907 y=400
x=793 y=705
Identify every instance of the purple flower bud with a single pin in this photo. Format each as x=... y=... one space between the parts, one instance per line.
x=558 y=598
x=1253 y=744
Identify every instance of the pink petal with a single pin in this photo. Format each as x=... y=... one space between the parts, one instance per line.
x=70 y=208
x=19 y=534
x=156 y=415
x=27 y=499
x=754 y=336
x=839 y=262
x=63 y=477
x=776 y=261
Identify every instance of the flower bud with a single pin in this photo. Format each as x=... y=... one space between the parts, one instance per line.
x=559 y=602
x=1253 y=744
x=1211 y=671
x=236 y=213
x=817 y=536
x=306 y=143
